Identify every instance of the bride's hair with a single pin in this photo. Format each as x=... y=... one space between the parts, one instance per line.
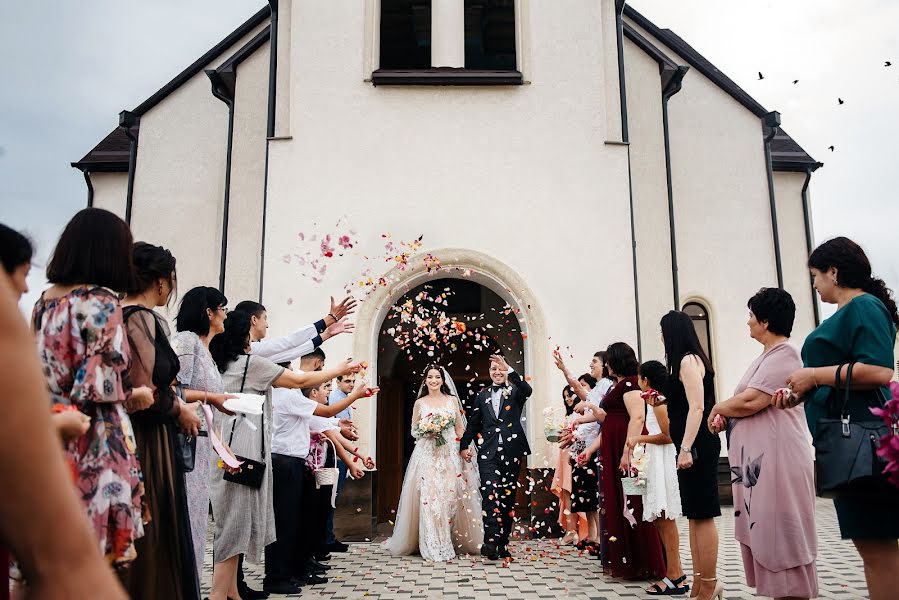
x=423 y=388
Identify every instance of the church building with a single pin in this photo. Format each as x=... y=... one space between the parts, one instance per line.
x=573 y=172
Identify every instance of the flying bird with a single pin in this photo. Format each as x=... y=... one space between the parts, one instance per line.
x=761 y=76
x=887 y=63
x=795 y=81
x=830 y=148
x=840 y=100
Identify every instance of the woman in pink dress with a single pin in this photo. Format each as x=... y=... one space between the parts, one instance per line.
x=82 y=344
x=574 y=524
x=771 y=460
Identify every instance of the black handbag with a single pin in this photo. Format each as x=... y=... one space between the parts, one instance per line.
x=251 y=471
x=185 y=445
x=846 y=461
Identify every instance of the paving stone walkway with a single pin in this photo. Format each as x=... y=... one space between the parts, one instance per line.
x=543 y=569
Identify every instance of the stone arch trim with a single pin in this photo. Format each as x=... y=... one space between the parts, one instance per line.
x=480 y=268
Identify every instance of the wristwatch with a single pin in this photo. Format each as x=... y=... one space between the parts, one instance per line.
x=685 y=449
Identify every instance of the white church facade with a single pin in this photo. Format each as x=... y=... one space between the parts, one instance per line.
x=570 y=160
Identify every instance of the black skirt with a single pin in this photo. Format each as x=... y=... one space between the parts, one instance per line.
x=585 y=486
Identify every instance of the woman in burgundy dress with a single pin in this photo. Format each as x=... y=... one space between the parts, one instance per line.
x=634 y=548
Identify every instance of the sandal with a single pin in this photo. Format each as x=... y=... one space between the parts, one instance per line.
x=672 y=588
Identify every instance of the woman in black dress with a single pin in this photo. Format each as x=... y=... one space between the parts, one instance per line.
x=691 y=395
x=165 y=565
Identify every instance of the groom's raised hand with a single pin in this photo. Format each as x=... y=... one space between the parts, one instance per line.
x=500 y=362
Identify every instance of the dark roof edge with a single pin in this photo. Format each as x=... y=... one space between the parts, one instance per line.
x=102 y=167
x=787 y=166
x=246 y=51
x=723 y=82
x=198 y=65
x=667 y=67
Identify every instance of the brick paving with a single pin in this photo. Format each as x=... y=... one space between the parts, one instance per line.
x=543 y=569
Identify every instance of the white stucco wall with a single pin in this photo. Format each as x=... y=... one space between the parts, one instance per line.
x=110 y=191
x=722 y=215
x=247 y=178
x=518 y=173
x=650 y=190
x=793 y=250
x=180 y=174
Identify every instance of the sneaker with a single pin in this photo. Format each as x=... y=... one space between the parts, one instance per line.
x=282 y=587
x=337 y=546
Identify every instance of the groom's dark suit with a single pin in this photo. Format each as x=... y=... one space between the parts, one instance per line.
x=500 y=446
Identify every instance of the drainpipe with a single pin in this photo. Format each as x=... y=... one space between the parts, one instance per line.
x=221 y=91
x=673 y=87
x=128 y=120
x=772 y=121
x=90 y=188
x=808 y=239
x=625 y=139
x=270 y=129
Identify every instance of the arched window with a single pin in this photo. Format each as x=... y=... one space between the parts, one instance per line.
x=700 y=317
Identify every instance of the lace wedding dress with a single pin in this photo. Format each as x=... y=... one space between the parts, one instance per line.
x=439 y=514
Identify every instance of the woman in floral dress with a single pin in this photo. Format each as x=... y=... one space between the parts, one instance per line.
x=84 y=351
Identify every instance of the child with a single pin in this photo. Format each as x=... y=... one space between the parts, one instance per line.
x=661 y=498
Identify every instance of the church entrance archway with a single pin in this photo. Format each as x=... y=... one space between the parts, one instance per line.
x=454 y=322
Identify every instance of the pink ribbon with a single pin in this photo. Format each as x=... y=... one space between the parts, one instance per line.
x=217 y=444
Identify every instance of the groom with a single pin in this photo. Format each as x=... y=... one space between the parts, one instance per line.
x=495 y=420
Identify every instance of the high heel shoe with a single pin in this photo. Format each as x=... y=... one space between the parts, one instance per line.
x=719 y=588
x=569 y=539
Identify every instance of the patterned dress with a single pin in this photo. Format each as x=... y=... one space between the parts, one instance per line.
x=82 y=346
x=198 y=372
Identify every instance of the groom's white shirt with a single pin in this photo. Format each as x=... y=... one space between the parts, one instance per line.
x=496 y=395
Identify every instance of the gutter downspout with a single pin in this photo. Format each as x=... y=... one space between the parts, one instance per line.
x=772 y=120
x=625 y=139
x=127 y=120
x=220 y=91
x=90 y=188
x=806 y=216
x=270 y=129
x=673 y=87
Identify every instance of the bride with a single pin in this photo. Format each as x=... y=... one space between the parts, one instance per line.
x=439 y=514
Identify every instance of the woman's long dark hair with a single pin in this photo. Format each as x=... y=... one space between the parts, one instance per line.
x=192 y=315
x=680 y=339
x=569 y=409
x=423 y=388
x=853 y=270
x=152 y=263
x=231 y=343
x=622 y=360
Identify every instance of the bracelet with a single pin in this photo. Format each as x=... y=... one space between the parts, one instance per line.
x=333 y=317
x=815 y=377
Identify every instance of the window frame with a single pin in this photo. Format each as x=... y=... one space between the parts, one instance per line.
x=706 y=318
x=372 y=73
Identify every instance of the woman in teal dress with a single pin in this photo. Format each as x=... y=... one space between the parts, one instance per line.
x=862 y=331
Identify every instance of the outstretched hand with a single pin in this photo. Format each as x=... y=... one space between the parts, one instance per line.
x=338 y=327
x=500 y=362
x=346 y=307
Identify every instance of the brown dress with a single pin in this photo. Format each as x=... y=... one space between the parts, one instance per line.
x=164 y=567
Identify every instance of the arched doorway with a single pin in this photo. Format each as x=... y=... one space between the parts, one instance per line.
x=457 y=323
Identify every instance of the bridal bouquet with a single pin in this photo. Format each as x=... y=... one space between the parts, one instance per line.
x=553 y=423
x=433 y=425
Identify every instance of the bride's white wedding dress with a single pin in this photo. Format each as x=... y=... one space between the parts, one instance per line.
x=439 y=514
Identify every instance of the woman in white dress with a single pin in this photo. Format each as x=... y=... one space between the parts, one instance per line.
x=439 y=514
x=661 y=498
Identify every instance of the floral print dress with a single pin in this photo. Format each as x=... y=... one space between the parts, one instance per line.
x=82 y=346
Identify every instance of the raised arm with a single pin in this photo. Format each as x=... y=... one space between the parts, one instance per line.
x=292 y=379
x=305 y=340
x=574 y=383
x=331 y=410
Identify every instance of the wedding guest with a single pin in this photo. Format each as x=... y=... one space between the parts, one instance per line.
x=572 y=523
x=164 y=567
x=585 y=477
x=15 y=255
x=283 y=350
x=292 y=481
x=772 y=460
x=691 y=395
x=201 y=317
x=344 y=387
x=244 y=520
x=635 y=552
x=661 y=498
x=42 y=518
x=862 y=331
x=82 y=345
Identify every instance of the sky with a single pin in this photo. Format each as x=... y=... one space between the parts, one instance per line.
x=75 y=65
